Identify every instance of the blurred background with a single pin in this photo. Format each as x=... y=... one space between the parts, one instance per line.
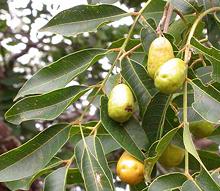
x=23 y=51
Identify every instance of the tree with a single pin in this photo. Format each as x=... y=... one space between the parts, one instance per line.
x=160 y=123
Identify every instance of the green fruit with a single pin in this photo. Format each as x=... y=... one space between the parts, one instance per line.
x=129 y=169
x=160 y=51
x=201 y=129
x=170 y=76
x=172 y=156
x=121 y=103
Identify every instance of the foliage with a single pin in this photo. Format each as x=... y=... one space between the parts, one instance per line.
x=154 y=125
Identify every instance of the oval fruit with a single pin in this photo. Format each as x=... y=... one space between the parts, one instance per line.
x=129 y=169
x=160 y=51
x=121 y=103
x=201 y=129
x=170 y=76
x=172 y=156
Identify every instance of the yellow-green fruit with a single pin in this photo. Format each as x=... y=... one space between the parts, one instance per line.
x=172 y=156
x=170 y=76
x=121 y=103
x=129 y=169
x=201 y=129
x=160 y=51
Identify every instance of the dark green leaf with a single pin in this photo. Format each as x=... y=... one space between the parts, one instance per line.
x=141 y=84
x=119 y=132
x=190 y=185
x=185 y=6
x=83 y=18
x=206 y=182
x=154 y=116
x=25 y=183
x=101 y=1
x=154 y=10
x=93 y=166
x=168 y=182
x=58 y=74
x=212 y=54
x=34 y=155
x=46 y=107
x=158 y=149
x=56 y=181
x=74 y=176
x=206 y=101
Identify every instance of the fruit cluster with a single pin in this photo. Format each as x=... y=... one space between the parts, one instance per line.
x=169 y=74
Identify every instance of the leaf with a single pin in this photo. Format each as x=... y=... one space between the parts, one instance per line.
x=34 y=155
x=168 y=182
x=206 y=101
x=93 y=166
x=74 y=176
x=25 y=183
x=206 y=182
x=154 y=117
x=111 y=83
x=215 y=136
x=158 y=148
x=58 y=74
x=185 y=6
x=83 y=18
x=56 y=181
x=139 y=81
x=119 y=132
x=154 y=10
x=212 y=54
x=101 y=1
x=45 y=107
x=190 y=185
x=204 y=74
x=190 y=147
x=148 y=34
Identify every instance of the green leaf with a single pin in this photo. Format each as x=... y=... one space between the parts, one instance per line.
x=158 y=148
x=190 y=147
x=74 y=176
x=190 y=185
x=206 y=101
x=34 y=155
x=215 y=136
x=148 y=34
x=211 y=54
x=56 y=181
x=206 y=182
x=93 y=166
x=119 y=132
x=142 y=85
x=58 y=74
x=83 y=18
x=45 y=107
x=101 y=1
x=185 y=6
x=111 y=83
x=25 y=183
x=168 y=182
x=154 y=10
x=154 y=117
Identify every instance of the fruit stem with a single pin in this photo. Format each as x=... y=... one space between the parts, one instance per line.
x=187 y=57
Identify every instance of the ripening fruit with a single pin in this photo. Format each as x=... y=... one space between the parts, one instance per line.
x=172 y=156
x=121 y=103
x=201 y=129
x=129 y=169
x=170 y=76
x=160 y=51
